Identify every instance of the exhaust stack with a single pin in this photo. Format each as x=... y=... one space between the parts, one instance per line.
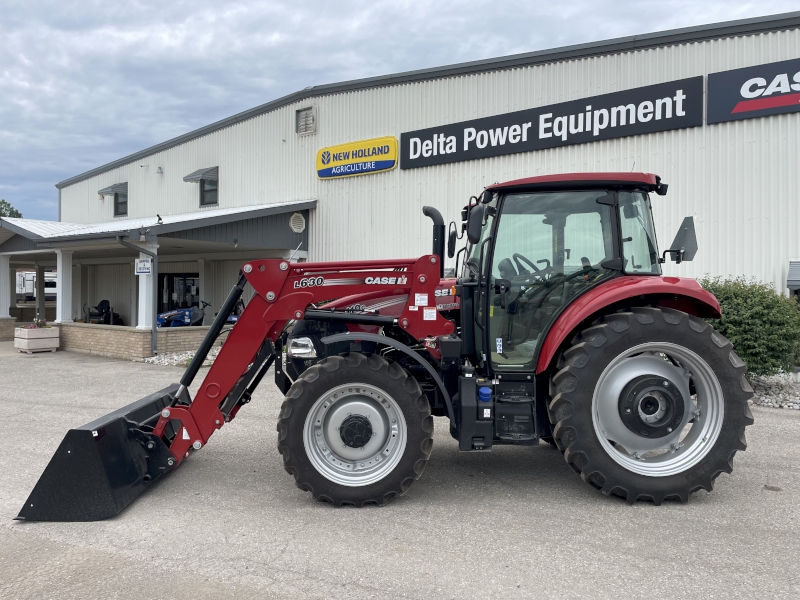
x=438 y=234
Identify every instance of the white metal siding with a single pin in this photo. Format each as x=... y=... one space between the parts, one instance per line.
x=740 y=180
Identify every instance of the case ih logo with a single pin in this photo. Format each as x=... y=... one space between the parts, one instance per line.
x=771 y=89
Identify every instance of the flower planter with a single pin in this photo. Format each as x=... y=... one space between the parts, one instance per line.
x=44 y=339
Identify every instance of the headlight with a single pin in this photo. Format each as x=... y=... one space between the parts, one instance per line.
x=301 y=347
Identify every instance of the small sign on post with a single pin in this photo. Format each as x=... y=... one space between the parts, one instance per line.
x=143 y=266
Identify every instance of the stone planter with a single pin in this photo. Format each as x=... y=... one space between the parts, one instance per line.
x=44 y=339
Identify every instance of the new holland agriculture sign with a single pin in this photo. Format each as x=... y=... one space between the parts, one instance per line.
x=661 y=107
x=357 y=158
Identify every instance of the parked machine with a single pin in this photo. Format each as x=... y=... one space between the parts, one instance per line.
x=558 y=328
x=102 y=314
x=183 y=317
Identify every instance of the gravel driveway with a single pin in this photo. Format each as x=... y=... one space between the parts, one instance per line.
x=516 y=523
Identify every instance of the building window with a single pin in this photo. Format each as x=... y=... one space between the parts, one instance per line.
x=306 y=121
x=120 y=204
x=208 y=192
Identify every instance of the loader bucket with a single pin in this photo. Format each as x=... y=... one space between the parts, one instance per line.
x=103 y=466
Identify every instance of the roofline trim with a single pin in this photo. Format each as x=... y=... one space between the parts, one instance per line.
x=670 y=37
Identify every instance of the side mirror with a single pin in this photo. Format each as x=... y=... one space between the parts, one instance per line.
x=475 y=223
x=684 y=246
x=451 y=240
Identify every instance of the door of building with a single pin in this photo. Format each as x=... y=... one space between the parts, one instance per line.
x=178 y=290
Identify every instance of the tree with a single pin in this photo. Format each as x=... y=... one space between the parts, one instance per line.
x=6 y=210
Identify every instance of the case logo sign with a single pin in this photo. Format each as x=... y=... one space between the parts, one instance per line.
x=661 y=107
x=357 y=158
x=771 y=89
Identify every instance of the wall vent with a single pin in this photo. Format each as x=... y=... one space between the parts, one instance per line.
x=297 y=223
x=306 y=121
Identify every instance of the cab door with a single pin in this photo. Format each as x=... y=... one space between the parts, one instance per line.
x=547 y=248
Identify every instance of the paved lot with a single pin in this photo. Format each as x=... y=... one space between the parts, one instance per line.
x=516 y=523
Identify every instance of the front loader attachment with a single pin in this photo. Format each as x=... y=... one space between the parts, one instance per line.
x=103 y=466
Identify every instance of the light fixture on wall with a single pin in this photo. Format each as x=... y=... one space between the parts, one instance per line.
x=160 y=171
x=235 y=242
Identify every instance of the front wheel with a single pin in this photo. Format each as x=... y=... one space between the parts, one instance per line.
x=650 y=404
x=355 y=430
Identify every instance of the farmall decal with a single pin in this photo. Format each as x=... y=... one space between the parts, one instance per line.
x=770 y=89
x=661 y=107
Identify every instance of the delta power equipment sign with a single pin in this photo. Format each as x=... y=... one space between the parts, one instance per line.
x=761 y=91
x=357 y=158
x=661 y=107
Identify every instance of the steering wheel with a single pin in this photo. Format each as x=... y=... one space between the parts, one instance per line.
x=540 y=273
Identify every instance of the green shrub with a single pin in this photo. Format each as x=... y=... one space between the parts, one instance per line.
x=763 y=325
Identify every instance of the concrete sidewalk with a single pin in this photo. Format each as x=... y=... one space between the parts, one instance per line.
x=7 y=349
x=515 y=523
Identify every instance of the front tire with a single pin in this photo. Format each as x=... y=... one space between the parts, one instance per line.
x=650 y=405
x=355 y=430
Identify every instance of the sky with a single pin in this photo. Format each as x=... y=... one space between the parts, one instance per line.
x=85 y=83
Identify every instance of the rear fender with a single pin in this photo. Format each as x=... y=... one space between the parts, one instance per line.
x=673 y=292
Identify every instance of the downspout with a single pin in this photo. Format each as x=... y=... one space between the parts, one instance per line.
x=154 y=256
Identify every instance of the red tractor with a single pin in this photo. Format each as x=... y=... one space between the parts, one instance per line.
x=557 y=327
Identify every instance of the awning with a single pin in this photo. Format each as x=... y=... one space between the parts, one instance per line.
x=117 y=188
x=53 y=231
x=207 y=173
x=793 y=280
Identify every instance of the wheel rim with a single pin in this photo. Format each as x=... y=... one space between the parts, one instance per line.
x=355 y=434
x=652 y=430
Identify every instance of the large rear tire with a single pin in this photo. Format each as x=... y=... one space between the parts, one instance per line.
x=355 y=430
x=650 y=405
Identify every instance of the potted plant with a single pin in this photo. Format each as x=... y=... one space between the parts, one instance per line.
x=36 y=337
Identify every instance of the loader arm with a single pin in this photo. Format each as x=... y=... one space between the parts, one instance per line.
x=285 y=291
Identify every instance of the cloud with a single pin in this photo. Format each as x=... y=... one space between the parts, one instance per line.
x=85 y=83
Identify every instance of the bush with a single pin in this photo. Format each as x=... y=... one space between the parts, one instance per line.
x=763 y=325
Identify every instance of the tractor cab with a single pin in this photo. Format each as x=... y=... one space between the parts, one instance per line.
x=534 y=247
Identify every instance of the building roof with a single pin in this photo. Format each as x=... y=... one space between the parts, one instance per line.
x=684 y=35
x=55 y=231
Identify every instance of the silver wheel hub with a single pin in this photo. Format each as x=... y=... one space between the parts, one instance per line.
x=657 y=409
x=355 y=434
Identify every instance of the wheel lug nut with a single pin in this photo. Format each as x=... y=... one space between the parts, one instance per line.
x=666 y=384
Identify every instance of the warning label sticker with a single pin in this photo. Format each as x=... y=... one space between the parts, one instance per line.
x=421 y=299
x=428 y=314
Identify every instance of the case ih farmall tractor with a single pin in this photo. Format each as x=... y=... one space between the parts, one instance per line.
x=559 y=327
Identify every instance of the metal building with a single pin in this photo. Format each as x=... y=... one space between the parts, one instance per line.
x=714 y=110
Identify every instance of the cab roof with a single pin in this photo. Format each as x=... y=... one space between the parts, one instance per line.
x=583 y=180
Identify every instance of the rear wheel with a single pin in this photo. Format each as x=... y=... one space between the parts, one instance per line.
x=355 y=430
x=650 y=404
